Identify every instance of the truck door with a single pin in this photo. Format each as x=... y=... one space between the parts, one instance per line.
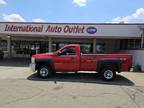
x=67 y=60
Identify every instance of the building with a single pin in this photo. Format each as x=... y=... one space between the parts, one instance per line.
x=21 y=39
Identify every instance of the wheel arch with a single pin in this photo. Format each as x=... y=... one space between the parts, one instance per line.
x=45 y=61
x=112 y=63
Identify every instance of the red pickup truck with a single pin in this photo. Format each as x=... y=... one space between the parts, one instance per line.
x=71 y=59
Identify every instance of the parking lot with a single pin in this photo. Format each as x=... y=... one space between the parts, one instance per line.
x=21 y=88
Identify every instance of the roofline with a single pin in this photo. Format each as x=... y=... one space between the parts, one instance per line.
x=77 y=23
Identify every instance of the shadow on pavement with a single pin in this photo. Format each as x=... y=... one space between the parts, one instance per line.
x=15 y=62
x=83 y=78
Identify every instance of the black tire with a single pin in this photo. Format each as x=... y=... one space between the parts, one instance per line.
x=1 y=58
x=44 y=71
x=108 y=74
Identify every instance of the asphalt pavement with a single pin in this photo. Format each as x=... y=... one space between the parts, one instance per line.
x=21 y=88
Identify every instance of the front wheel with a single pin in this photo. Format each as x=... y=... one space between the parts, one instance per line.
x=44 y=71
x=107 y=74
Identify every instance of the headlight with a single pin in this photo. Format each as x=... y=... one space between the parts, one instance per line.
x=32 y=60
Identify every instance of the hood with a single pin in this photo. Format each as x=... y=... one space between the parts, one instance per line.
x=43 y=55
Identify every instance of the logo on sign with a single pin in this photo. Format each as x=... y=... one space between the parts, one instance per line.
x=91 y=30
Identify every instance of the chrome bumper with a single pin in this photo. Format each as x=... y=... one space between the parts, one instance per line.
x=33 y=67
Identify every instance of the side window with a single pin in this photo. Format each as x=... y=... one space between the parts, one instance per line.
x=100 y=48
x=69 y=51
x=86 y=48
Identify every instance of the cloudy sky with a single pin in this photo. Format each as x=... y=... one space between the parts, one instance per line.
x=72 y=11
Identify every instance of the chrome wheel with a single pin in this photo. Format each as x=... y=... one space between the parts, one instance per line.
x=44 y=72
x=108 y=74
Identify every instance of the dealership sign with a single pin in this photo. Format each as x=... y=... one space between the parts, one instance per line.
x=65 y=29
x=48 y=29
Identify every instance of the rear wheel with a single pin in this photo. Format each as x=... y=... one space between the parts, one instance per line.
x=44 y=71
x=107 y=74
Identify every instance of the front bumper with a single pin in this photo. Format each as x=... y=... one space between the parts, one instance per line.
x=33 y=67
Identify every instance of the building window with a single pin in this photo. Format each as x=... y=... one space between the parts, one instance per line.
x=130 y=44
x=86 y=48
x=68 y=51
x=3 y=44
x=29 y=47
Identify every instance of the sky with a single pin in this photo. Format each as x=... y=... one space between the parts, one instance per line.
x=72 y=11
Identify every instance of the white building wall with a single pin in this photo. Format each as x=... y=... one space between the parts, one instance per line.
x=138 y=57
